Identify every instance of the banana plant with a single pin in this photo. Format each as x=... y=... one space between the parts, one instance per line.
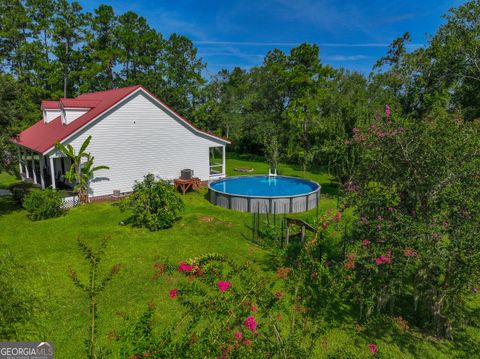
x=82 y=169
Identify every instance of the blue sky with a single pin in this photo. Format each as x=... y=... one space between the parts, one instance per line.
x=351 y=34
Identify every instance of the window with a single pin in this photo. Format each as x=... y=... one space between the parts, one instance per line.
x=216 y=161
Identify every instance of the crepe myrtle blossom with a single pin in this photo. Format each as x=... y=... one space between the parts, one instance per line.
x=253 y=308
x=387 y=110
x=366 y=242
x=173 y=293
x=383 y=259
x=184 y=267
x=223 y=286
x=250 y=323
x=238 y=335
x=373 y=348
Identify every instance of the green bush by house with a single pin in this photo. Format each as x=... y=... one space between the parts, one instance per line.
x=154 y=204
x=20 y=191
x=43 y=204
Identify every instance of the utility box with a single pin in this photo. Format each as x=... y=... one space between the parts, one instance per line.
x=186 y=174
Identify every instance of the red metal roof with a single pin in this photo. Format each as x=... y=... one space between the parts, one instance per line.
x=77 y=103
x=41 y=137
x=50 y=105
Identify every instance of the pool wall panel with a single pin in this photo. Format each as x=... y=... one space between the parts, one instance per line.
x=288 y=204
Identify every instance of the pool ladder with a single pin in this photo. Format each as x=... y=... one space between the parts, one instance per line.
x=272 y=174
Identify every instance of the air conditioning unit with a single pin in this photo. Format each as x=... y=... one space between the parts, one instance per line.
x=186 y=174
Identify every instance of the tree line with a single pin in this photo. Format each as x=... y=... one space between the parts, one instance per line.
x=291 y=107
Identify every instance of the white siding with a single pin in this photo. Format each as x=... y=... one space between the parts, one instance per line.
x=70 y=115
x=139 y=137
x=49 y=115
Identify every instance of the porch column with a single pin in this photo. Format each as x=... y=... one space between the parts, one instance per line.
x=224 y=162
x=20 y=166
x=33 y=168
x=52 y=172
x=27 y=172
x=42 y=179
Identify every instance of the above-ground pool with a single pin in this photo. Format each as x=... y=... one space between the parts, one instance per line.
x=273 y=194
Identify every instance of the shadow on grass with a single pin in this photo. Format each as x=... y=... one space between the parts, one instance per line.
x=8 y=205
x=412 y=339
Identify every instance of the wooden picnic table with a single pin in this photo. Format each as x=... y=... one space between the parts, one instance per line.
x=186 y=184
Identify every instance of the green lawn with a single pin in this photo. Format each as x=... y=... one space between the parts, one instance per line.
x=49 y=248
x=6 y=180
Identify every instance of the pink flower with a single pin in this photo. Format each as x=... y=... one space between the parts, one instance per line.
x=250 y=323
x=366 y=242
x=383 y=259
x=238 y=335
x=278 y=295
x=254 y=308
x=373 y=348
x=184 y=267
x=387 y=110
x=223 y=286
x=173 y=293
x=247 y=342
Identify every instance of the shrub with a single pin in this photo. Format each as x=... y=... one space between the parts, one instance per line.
x=43 y=204
x=415 y=239
x=225 y=309
x=20 y=191
x=154 y=204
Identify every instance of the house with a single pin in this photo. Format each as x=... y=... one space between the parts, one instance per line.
x=133 y=132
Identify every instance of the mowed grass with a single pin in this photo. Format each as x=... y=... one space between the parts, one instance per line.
x=6 y=180
x=48 y=249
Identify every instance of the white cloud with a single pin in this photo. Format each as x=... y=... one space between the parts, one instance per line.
x=345 y=57
x=292 y=44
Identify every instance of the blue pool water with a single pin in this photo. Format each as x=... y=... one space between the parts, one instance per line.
x=264 y=186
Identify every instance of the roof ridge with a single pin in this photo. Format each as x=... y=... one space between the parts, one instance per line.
x=110 y=90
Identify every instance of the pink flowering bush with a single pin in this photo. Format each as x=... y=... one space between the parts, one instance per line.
x=226 y=310
x=416 y=214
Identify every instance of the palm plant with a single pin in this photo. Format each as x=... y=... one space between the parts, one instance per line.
x=81 y=171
